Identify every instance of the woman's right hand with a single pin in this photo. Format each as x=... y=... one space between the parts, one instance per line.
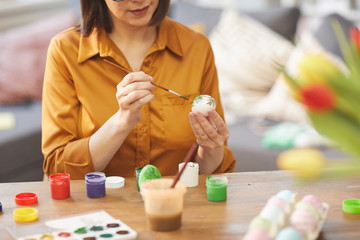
x=133 y=92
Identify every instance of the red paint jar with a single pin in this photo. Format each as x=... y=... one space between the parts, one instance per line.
x=60 y=185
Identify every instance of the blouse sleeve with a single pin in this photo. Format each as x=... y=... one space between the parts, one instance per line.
x=63 y=150
x=210 y=86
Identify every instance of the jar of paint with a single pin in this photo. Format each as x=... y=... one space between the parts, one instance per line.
x=216 y=188
x=60 y=185
x=137 y=173
x=95 y=184
x=190 y=175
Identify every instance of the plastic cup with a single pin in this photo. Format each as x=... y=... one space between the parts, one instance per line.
x=163 y=205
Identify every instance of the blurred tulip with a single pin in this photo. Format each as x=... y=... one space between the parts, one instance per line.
x=316 y=68
x=331 y=93
x=355 y=37
x=318 y=97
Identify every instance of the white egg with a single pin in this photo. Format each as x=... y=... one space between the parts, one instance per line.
x=203 y=104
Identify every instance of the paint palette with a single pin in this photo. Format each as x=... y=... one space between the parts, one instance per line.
x=114 y=230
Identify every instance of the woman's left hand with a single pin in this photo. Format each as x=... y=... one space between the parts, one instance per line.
x=211 y=132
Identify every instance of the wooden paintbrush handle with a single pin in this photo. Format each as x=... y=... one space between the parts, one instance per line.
x=188 y=157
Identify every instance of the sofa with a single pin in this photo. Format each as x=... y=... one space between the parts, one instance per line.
x=20 y=147
x=24 y=40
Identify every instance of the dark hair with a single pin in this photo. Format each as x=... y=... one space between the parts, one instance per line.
x=95 y=14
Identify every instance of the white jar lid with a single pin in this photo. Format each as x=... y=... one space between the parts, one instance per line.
x=114 y=182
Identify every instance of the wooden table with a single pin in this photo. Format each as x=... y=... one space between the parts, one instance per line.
x=247 y=195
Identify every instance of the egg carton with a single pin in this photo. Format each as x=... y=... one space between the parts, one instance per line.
x=283 y=221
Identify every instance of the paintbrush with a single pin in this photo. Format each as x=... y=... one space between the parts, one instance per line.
x=155 y=84
x=170 y=91
x=188 y=157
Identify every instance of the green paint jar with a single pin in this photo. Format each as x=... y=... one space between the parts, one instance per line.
x=137 y=172
x=216 y=188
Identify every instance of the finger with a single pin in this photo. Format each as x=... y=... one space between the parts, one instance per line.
x=197 y=120
x=219 y=123
x=205 y=124
x=136 y=86
x=134 y=97
x=135 y=77
x=142 y=101
x=214 y=138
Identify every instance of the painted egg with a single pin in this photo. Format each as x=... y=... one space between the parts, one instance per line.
x=272 y=213
x=310 y=208
x=147 y=173
x=260 y=223
x=257 y=234
x=314 y=201
x=289 y=233
x=203 y=104
x=286 y=195
x=303 y=221
x=277 y=202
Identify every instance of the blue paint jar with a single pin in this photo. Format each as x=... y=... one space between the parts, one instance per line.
x=95 y=184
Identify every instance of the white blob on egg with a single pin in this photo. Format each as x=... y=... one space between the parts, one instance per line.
x=203 y=104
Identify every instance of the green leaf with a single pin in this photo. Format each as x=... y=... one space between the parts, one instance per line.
x=350 y=55
x=340 y=128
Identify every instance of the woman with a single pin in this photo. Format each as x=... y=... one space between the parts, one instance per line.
x=101 y=111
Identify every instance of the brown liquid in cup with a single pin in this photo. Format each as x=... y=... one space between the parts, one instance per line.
x=164 y=223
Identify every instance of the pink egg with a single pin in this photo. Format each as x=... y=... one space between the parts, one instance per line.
x=277 y=202
x=305 y=205
x=303 y=221
x=257 y=234
x=314 y=201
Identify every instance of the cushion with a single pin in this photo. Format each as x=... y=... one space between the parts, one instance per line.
x=325 y=33
x=246 y=53
x=282 y=20
x=23 y=56
x=279 y=105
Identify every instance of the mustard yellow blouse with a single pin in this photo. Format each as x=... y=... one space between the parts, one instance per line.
x=79 y=97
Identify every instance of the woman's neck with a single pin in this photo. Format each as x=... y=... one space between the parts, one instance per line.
x=133 y=35
x=134 y=43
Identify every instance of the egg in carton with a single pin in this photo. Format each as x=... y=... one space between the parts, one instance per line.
x=285 y=200
x=274 y=216
x=290 y=197
x=265 y=224
x=309 y=217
